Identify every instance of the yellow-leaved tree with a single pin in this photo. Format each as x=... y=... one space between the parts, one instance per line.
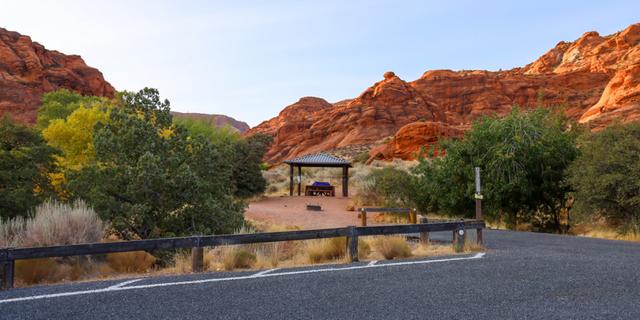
x=74 y=135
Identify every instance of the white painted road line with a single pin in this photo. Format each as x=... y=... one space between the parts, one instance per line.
x=122 y=284
x=264 y=272
x=254 y=276
x=372 y=263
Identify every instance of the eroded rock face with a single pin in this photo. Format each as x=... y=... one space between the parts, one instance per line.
x=313 y=125
x=415 y=138
x=28 y=70
x=594 y=80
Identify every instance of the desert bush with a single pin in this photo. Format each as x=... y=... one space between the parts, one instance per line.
x=391 y=247
x=388 y=187
x=53 y=223
x=56 y=223
x=130 y=262
x=238 y=258
x=12 y=232
x=606 y=177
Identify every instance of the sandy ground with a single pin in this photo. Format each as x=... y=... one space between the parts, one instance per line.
x=291 y=212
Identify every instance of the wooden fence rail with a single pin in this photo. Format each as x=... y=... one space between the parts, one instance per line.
x=8 y=256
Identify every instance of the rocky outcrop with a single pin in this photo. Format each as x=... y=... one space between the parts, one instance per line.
x=217 y=120
x=594 y=80
x=313 y=124
x=415 y=138
x=27 y=70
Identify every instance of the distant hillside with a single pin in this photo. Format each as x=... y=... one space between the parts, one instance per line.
x=217 y=120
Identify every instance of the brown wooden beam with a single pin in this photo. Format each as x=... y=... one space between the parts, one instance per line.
x=290 y=180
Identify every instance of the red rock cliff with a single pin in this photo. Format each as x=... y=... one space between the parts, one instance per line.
x=27 y=70
x=594 y=79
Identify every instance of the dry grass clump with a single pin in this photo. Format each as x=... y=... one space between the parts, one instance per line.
x=391 y=247
x=131 y=262
x=34 y=271
x=325 y=249
x=238 y=258
x=51 y=270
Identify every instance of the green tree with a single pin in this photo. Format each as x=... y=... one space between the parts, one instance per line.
x=523 y=156
x=25 y=164
x=606 y=177
x=247 y=153
x=247 y=173
x=152 y=179
x=61 y=103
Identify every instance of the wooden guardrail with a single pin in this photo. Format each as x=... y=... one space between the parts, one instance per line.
x=8 y=256
x=413 y=213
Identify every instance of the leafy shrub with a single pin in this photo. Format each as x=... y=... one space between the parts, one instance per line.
x=391 y=247
x=25 y=163
x=523 y=157
x=388 y=187
x=606 y=177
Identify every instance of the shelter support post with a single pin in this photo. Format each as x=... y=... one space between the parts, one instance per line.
x=290 y=180
x=345 y=181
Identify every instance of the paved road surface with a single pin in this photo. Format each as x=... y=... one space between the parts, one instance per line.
x=522 y=276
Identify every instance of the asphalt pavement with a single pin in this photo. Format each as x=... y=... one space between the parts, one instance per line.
x=521 y=276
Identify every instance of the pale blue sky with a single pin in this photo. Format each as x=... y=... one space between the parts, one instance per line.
x=249 y=59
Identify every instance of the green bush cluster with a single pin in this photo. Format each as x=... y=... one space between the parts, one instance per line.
x=147 y=175
x=537 y=169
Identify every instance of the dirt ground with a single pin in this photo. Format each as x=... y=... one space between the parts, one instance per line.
x=292 y=212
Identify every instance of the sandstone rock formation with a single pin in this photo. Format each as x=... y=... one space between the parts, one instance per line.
x=414 y=138
x=217 y=120
x=27 y=70
x=594 y=80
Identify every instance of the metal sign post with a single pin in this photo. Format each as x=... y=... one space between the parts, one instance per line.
x=478 y=197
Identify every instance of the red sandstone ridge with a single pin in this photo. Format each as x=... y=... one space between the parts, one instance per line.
x=413 y=139
x=27 y=70
x=313 y=125
x=594 y=79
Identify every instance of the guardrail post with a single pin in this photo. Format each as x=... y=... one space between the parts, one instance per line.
x=363 y=217
x=197 y=257
x=424 y=236
x=8 y=270
x=352 y=244
x=413 y=216
x=459 y=235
